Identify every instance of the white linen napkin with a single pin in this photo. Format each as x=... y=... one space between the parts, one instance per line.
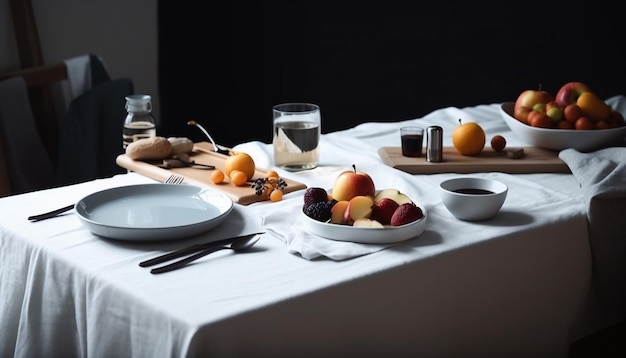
x=602 y=177
x=281 y=223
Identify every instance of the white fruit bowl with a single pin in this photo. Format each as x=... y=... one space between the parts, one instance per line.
x=366 y=235
x=558 y=139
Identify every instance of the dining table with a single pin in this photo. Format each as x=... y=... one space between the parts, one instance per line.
x=524 y=283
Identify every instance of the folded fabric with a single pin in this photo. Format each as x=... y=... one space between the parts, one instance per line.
x=83 y=73
x=281 y=224
x=90 y=137
x=602 y=177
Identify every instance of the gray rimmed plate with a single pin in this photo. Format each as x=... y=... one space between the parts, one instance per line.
x=149 y=212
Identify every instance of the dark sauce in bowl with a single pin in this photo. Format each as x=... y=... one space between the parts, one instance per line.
x=473 y=191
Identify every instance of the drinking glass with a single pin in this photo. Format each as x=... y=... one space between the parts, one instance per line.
x=411 y=139
x=296 y=135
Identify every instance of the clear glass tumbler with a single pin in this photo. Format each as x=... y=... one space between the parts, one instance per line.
x=296 y=135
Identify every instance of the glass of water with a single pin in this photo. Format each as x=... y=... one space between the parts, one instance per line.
x=297 y=130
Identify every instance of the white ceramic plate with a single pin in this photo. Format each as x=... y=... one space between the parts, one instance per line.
x=149 y=212
x=557 y=139
x=365 y=235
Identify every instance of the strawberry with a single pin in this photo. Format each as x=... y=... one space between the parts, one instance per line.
x=383 y=210
x=406 y=213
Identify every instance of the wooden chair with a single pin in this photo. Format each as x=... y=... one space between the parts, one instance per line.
x=38 y=79
x=97 y=109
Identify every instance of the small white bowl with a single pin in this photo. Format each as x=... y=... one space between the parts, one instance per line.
x=557 y=139
x=472 y=198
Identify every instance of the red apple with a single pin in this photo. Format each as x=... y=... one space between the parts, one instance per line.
x=521 y=114
x=351 y=183
x=527 y=100
x=569 y=93
x=370 y=223
x=393 y=194
x=359 y=207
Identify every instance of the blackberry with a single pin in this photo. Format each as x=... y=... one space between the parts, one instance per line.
x=260 y=185
x=314 y=195
x=320 y=211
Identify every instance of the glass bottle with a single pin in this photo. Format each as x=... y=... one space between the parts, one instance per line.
x=139 y=122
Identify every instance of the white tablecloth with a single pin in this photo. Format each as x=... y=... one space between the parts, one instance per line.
x=516 y=285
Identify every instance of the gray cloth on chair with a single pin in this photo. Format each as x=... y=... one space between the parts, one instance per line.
x=602 y=177
x=91 y=135
x=29 y=165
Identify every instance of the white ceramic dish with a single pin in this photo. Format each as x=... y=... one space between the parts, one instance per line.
x=557 y=139
x=460 y=197
x=366 y=235
x=149 y=212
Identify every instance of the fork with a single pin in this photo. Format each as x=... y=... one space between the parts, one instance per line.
x=174 y=179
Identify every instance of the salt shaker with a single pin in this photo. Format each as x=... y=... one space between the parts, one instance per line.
x=434 y=144
x=139 y=122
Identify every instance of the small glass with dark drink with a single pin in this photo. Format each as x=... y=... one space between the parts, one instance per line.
x=411 y=139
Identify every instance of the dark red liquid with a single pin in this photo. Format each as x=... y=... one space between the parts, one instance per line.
x=473 y=191
x=411 y=145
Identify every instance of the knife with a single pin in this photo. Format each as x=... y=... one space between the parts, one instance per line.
x=191 y=249
x=50 y=214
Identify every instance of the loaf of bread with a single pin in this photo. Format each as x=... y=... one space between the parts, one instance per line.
x=156 y=148
x=180 y=145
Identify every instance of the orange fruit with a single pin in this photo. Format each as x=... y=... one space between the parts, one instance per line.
x=468 y=138
x=240 y=161
x=593 y=107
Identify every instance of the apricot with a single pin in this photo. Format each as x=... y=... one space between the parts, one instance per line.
x=238 y=178
x=217 y=177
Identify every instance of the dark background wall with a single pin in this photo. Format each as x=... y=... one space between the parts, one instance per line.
x=373 y=61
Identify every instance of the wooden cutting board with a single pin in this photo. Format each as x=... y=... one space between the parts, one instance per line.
x=535 y=160
x=203 y=153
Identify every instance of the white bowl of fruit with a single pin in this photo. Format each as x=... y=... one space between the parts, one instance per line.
x=573 y=118
x=354 y=211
